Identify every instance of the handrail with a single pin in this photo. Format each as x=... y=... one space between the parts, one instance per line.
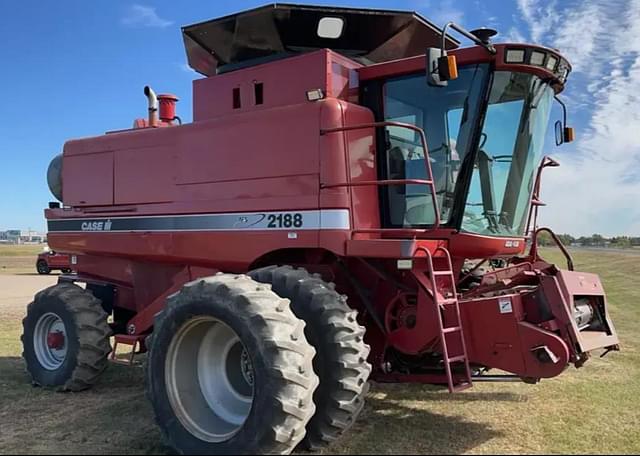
x=423 y=139
x=535 y=196
x=379 y=183
x=534 y=246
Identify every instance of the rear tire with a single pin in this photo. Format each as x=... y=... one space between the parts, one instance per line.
x=206 y=321
x=341 y=360
x=66 y=271
x=42 y=267
x=77 y=319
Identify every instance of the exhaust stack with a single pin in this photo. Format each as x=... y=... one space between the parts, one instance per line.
x=153 y=106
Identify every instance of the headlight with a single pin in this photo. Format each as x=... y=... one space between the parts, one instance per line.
x=537 y=58
x=515 y=56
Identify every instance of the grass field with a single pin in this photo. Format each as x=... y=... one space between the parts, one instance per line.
x=592 y=410
x=18 y=258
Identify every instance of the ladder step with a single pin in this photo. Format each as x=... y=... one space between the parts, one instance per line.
x=445 y=300
x=128 y=340
x=451 y=330
x=443 y=273
x=457 y=359
x=461 y=387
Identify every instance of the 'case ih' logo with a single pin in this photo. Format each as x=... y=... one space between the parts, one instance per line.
x=96 y=226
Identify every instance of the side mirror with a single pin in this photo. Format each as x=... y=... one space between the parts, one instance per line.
x=564 y=134
x=440 y=67
x=559 y=133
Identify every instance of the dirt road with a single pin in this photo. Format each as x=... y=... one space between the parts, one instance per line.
x=16 y=291
x=18 y=286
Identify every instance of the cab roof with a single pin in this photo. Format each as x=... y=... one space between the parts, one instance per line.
x=281 y=30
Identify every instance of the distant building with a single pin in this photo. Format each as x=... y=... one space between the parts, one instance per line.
x=22 y=237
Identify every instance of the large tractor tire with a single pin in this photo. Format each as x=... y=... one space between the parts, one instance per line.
x=341 y=360
x=230 y=370
x=66 y=338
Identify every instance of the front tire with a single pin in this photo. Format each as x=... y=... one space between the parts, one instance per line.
x=65 y=338
x=341 y=360
x=43 y=268
x=230 y=370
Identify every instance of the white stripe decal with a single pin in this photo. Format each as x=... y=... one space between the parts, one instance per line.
x=325 y=219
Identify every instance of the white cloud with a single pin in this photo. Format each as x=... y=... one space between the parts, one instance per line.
x=143 y=16
x=541 y=18
x=582 y=33
x=598 y=187
x=512 y=36
x=442 y=12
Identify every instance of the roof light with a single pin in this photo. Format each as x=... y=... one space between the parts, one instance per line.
x=537 y=58
x=330 y=27
x=515 y=56
x=552 y=62
x=563 y=71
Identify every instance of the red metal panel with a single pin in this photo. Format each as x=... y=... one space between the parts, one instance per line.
x=252 y=145
x=231 y=251
x=361 y=154
x=574 y=284
x=390 y=248
x=334 y=166
x=492 y=337
x=344 y=82
x=287 y=192
x=285 y=83
x=144 y=174
x=239 y=163
x=533 y=337
x=96 y=189
x=465 y=245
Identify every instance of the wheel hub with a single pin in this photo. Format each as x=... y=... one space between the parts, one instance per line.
x=50 y=341
x=210 y=379
x=55 y=340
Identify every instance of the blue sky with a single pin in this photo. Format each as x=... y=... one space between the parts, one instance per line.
x=77 y=68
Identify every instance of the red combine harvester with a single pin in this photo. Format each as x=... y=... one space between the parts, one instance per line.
x=342 y=207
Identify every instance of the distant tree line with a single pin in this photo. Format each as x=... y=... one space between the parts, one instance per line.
x=595 y=240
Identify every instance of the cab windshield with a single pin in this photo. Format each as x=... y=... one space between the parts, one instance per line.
x=496 y=177
x=510 y=150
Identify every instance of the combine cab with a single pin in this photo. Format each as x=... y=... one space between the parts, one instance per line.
x=343 y=207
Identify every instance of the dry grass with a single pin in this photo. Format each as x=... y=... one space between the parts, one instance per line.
x=16 y=259
x=7 y=250
x=593 y=410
